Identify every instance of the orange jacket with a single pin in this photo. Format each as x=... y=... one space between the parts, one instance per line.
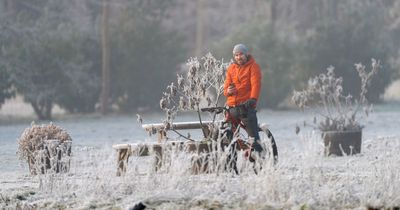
x=247 y=80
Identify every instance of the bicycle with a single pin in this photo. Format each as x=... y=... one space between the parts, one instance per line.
x=229 y=135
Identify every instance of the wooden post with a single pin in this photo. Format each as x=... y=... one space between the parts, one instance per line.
x=123 y=157
x=162 y=135
x=158 y=153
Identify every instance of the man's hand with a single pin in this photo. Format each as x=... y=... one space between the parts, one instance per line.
x=232 y=90
x=251 y=103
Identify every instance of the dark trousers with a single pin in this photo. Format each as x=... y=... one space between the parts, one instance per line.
x=249 y=119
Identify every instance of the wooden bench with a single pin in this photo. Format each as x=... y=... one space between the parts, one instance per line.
x=156 y=149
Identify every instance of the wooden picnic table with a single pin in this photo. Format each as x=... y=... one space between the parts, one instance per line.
x=156 y=149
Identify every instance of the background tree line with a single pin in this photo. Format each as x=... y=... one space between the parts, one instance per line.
x=52 y=51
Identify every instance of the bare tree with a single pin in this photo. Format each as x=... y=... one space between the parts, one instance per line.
x=105 y=88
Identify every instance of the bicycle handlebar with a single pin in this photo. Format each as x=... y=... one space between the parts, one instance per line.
x=217 y=109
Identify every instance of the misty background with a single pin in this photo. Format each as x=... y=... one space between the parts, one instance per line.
x=106 y=56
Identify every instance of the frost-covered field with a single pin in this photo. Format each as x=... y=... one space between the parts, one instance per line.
x=302 y=178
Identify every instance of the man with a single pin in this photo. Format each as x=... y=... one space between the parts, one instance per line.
x=242 y=89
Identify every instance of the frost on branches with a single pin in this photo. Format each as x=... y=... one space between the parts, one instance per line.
x=324 y=94
x=201 y=85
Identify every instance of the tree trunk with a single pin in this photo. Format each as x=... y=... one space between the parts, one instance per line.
x=37 y=110
x=47 y=109
x=105 y=86
x=333 y=9
x=274 y=13
x=199 y=28
x=42 y=111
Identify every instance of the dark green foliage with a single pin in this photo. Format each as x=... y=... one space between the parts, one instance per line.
x=358 y=34
x=6 y=90
x=144 y=59
x=279 y=60
x=82 y=75
x=35 y=70
x=54 y=60
x=356 y=37
x=5 y=85
x=48 y=66
x=50 y=50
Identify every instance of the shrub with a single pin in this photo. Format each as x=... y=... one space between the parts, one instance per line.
x=6 y=90
x=40 y=155
x=324 y=93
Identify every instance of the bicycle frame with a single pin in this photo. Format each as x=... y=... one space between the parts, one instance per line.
x=235 y=124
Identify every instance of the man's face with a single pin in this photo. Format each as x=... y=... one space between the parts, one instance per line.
x=240 y=58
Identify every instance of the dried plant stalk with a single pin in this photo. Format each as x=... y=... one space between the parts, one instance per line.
x=201 y=86
x=324 y=93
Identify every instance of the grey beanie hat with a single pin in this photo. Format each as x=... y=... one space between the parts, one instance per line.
x=240 y=48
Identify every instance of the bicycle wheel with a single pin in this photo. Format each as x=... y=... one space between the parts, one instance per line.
x=270 y=146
